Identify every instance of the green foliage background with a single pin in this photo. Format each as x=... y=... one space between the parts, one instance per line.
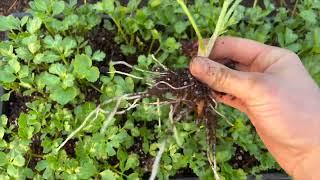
x=48 y=56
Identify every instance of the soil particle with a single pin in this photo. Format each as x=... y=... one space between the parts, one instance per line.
x=185 y=172
x=146 y=160
x=69 y=147
x=11 y=6
x=36 y=150
x=16 y=105
x=242 y=159
x=102 y=39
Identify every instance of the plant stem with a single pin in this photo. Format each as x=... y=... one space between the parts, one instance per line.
x=194 y=25
x=219 y=27
x=294 y=8
x=120 y=29
x=95 y=88
x=255 y=3
x=151 y=46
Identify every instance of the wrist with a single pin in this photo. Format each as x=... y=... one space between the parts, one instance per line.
x=308 y=168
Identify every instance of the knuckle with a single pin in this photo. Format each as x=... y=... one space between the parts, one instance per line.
x=220 y=78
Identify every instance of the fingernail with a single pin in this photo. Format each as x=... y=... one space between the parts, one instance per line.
x=198 y=66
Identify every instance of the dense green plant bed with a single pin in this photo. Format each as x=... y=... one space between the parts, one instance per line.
x=84 y=89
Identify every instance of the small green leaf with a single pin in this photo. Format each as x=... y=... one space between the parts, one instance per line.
x=40 y=5
x=38 y=59
x=34 y=25
x=6 y=76
x=58 y=69
x=6 y=96
x=67 y=80
x=105 y=6
x=18 y=161
x=8 y=23
x=98 y=56
x=15 y=65
x=64 y=96
x=58 y=7
x=180 y=26
x=108 y=174
x=132 y=161
x=309 y=16
x=3 y=159
x=83 y=68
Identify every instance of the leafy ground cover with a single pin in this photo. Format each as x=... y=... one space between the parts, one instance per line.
x=84 y=95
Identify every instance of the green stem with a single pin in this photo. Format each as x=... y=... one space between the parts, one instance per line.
x=151 y=46
x=219 y=27
x=95 y=88
x=64 y=59
x=120 y=29
x=255 y=3
x=194 y=25
x=294 y=8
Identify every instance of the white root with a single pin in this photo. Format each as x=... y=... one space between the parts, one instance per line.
x=157 y=61
x=223 y=117
x=133 y=105
x=132 y=67
x=172 y=87
x=96 y=112
x=126 y=74
x=156 y=163
x=111 y=115
x=213 y=162
x=159 y=114
x=99 y=110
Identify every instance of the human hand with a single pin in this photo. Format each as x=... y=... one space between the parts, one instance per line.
x=273 y=88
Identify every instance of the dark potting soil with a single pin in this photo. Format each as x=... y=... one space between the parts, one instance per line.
x=102 y=39
x=70 y=148
x=146 y=160
x=8 y=7
x=242 y=159
x=36 y=152
x=16 y=106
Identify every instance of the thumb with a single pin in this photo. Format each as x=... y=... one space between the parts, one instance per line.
x=224 y=79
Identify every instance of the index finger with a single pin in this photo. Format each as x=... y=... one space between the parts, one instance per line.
x=241 y=50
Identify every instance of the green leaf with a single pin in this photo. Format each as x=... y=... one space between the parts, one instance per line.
x=58 y=7
x=83 y=68
x=64 y=96
x=3 y=159
x=24 y=53
x=6 y=96
x=40 y=5
x=6 y=76
x=180 y=26
x=132 y=161
x=8 y=23
x=105 y=6
x=15 y=65
x=108 y=174
x=18 y=161
x=309 y=16
x=67 y=80
x=290 y=36
x=58 y=69
x=34 y=47
x=34 y=25
x=39 y=58
x=98 y=56
x=13 y=171
x=46 y=79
